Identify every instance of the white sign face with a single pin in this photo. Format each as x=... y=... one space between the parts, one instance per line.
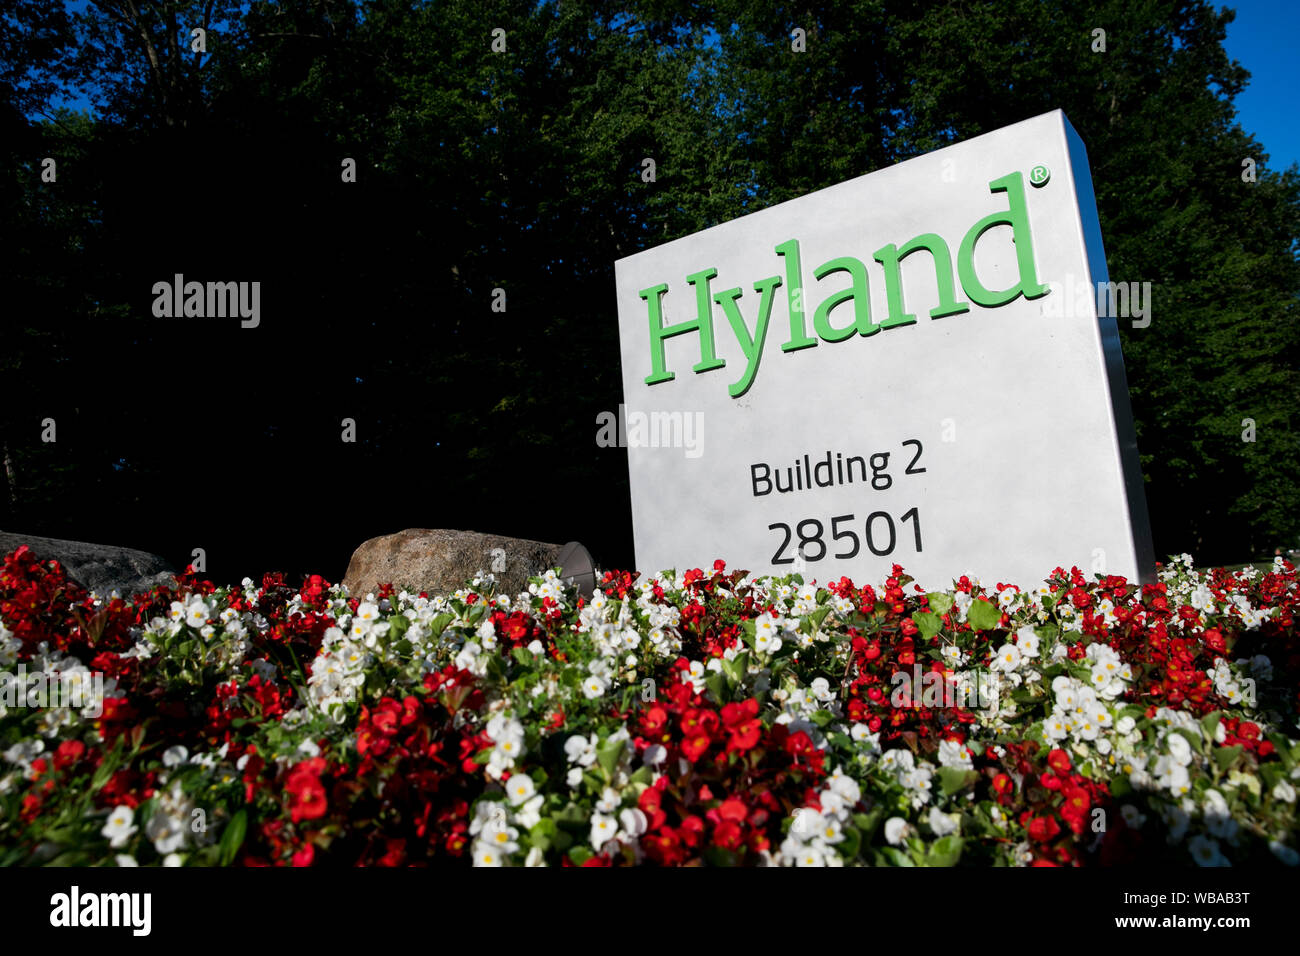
x=907 y=368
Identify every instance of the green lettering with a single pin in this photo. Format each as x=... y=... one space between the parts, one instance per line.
x=752 y=346
x=799 y=339
x=703 y=322
x=891 y=257
x=857 y=292
x=1017 y=217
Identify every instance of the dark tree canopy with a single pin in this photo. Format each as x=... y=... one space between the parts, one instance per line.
x=521 y=171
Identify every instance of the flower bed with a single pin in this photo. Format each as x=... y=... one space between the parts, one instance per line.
x=706 y=718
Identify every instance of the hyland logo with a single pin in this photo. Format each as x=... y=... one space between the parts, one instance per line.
x=78 y=689
x=890 y=258
x=103 y=909
x=1075 y=298
x=934 y=690
x=213 y=300
x=651 y=430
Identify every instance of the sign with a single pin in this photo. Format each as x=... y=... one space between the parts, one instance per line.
x=888 y=371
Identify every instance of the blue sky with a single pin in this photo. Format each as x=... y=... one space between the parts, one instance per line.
x=1263 y=39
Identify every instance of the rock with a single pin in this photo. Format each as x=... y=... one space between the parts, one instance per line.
x=440 y=561
x=101 y=568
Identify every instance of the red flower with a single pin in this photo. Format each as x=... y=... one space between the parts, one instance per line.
x=799 y=744
x=68 y=753
x=1042 y=829
x=307 y=800
x=733 y=715
x=728 y=835
x=651 y=804
x=1059 y=761
x=734 y=810
x=745 y=736
x=694 y=747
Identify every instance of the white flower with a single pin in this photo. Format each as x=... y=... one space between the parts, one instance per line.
x=123 y=860
x=1133 y=817
x=633 y=822
x=1284 y=853
x=172 y=859
x=487 y=855
x=166 y=832
x=593 y=687
x=821 y=689
x=174 y=756
x=581 y=750
x=520 y=789
x=603 y=829
x=810 y=856
x=120 y=827
x=1027 y=641
x=609 y=800
x=954 y=755
x=1179 y=749
x=197 y=613
x=896 y=829
x=1284 y=791
x=1206 y=851
x=942 y=823
x=829 y=830
x=1007 y=658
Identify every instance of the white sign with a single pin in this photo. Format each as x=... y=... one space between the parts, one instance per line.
x=920 y=367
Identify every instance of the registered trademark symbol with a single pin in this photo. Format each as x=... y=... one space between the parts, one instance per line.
x=1039 y=175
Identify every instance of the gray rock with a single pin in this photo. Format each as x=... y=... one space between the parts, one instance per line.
x=101 y=568
x=440 y=561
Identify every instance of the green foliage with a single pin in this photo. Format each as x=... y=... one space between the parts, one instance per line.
x=522 y=170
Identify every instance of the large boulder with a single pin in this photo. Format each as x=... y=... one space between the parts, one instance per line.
x=102 y=568
x=440 y=561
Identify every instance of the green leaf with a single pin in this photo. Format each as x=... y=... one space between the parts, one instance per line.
x=580 y=855
x=523 y=656
x=849 y=846
x=439 y=623
x=572 y=817
x=928 y=623
x=1210 y=722
x=233 y=838
x=952 y=779
x=542 y=834
x=944 y=852
x=718 y=856
x=1225 y=757
x=940 y=602
x=717 y=685
x=868 y=823
x=896 y=857
x=983 y=616
x=607 y=755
